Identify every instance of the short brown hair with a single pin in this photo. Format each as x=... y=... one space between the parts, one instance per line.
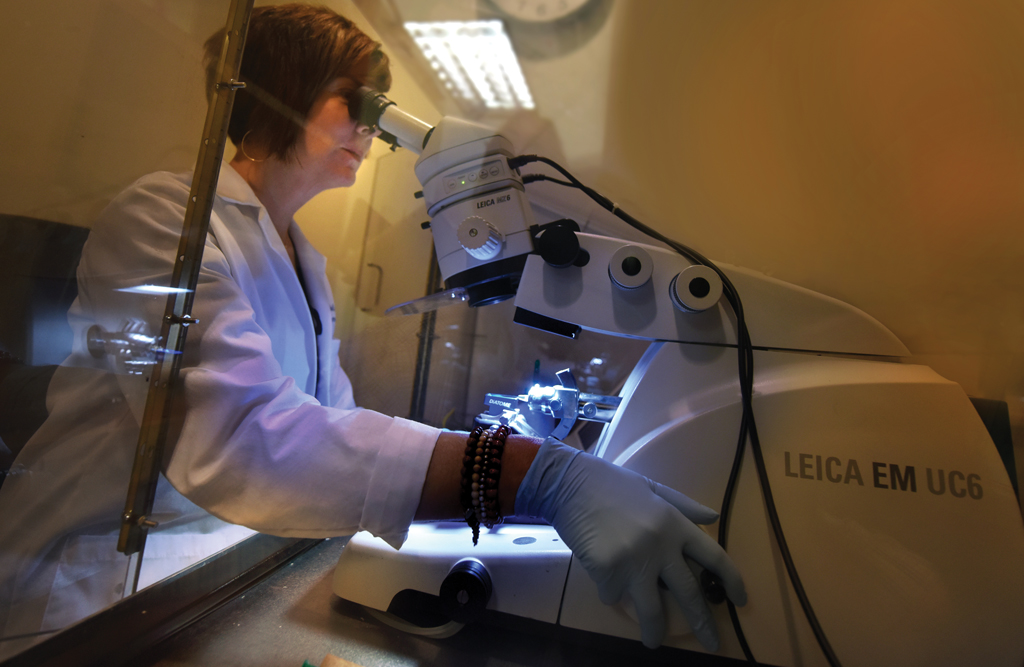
x=292 y=52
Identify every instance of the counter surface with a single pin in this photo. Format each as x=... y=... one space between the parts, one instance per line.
x=293 y=616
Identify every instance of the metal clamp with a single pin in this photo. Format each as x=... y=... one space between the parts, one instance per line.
x=550 y=410
x=143 y=520
x=183 y=320
x=231 y=84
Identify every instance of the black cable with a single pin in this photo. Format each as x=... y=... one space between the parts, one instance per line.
x=530 y=178
x=734 y=617
x=748 y=428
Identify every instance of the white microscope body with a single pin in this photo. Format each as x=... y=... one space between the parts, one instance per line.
x=897 y=508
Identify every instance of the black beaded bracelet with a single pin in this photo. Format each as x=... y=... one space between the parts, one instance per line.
x=481 y=473
x=466 y=489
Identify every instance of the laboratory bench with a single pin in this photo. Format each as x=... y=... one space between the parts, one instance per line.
x=269 y=602
x=292 y=616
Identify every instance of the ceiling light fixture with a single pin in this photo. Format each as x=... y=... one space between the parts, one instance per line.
x=475 y=62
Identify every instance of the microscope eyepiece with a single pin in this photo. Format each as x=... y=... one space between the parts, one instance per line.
x=367 y=105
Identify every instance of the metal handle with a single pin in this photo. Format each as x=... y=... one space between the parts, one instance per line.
x=380 y=284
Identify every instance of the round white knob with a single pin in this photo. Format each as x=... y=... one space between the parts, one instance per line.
x=480 y=238
x=630 y=267
x=696 y=288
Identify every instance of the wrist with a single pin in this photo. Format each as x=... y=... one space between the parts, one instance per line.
x=520 y=452
x=537 y=495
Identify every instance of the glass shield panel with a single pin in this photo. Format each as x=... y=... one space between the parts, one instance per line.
x=482 y=61
x=537 y=73
x=98 y=96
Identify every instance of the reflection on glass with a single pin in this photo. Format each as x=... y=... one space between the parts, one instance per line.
x=129 y=101
x=265 y=427
x=62 y=504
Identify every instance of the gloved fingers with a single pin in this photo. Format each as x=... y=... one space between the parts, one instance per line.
x=686 y=591
x=649 y=612
x=700 y=547
x=611 y=589
x=690 y=508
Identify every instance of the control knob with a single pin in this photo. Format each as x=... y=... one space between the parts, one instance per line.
x=480 y=238
x=466 y=590
x=695 y=289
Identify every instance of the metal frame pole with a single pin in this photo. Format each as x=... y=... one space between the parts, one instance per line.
x=156 y=418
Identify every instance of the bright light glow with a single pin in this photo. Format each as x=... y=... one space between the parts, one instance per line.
x=539 y=392
x=153 y=289
x=475 y=61
x=596 y=361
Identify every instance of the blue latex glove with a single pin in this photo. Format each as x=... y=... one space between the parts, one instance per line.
x=628 y=532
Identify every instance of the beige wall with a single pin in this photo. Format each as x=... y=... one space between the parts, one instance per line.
x=870 y=150
x=97 y=94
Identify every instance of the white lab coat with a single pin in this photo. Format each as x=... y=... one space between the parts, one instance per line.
x=261 y=444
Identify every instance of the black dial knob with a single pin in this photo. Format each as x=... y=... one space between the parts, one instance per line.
x=466 y=590
x=559 y=246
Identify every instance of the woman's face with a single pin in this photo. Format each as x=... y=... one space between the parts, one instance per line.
x=333 y=144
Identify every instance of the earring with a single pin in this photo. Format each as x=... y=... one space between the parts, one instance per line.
x=241 y=147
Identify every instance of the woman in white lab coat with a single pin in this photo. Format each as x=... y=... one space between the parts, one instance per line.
x=268 y=435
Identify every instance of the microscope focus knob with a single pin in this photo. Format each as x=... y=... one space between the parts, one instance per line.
x=696 y=288
x=559 y=246
x=480 y=238
x=466 y=590
x=630 y=267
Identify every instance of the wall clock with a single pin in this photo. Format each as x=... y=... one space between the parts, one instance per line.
x=547 y=28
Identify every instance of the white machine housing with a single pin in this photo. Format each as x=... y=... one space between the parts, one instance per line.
x=479 y=214
x=896 y=506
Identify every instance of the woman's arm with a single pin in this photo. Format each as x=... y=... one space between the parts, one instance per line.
x=627 y=531
x=440 y=499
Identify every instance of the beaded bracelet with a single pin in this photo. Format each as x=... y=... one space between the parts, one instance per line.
x=481 y=471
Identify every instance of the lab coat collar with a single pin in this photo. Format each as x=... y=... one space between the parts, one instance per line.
x=312 y=262
x=233 y=188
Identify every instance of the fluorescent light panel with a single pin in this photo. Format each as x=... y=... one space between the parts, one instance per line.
x=475 y=61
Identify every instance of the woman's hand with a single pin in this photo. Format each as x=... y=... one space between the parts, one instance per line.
x=629 y=532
